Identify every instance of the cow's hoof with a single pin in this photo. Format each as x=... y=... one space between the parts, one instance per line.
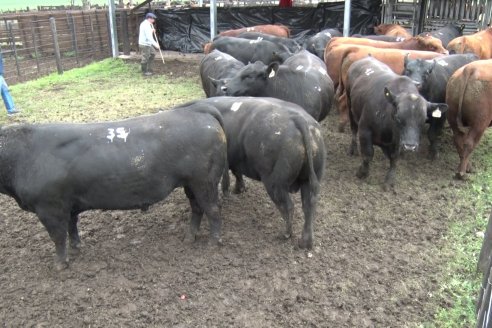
x=305 y=244
x=388 y=187
x=61 y=265
x=216 y=241
x=362 y=174
x=460 y=176
x=74 y=250
x=286 y=235
x=239 y=189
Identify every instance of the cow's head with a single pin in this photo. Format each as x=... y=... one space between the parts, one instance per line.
x=409 y=112
x=430 y=43
x=249 y=81
x=418 y=70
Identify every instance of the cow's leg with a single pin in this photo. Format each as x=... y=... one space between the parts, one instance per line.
x=73 y=234
x=309 y=201
x=280 y=196
x=353 y=151
x=367 y=152
x=344 y=112
x=434 y=132
x=196 y=216
x=207 y=198
x=389 y=181
x=240 y=187
x=56 y=224
x=469 y=142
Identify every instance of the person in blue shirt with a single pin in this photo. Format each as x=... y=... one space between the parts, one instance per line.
x=7 y=98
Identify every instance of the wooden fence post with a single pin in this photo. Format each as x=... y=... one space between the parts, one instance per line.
x=124 y=32
x=56 y=46
x=73 y=30
x=14 y=48
x=93 y=41
x=35 y=45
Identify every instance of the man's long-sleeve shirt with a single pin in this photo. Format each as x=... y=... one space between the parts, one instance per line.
x=145 y=37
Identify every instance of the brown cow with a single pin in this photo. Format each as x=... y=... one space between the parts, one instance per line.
x=277 y=30
x=392 y=30
x=469 y=96
x=394 y=58
x=479 y=43
x=424 y=43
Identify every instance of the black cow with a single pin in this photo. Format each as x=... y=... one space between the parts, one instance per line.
x=60 y=170
x=279 y=144
x=432 y=77
x=301 y=79
x=446 y=33
x=290 y=45
x=386 y=38
x=249 y=51
x=217 y=65
x=385 y=110
x=316 y=44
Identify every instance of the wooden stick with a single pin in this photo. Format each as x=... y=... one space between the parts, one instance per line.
x=157 y=40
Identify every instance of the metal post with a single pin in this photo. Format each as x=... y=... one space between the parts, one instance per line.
x=56 y=47
x=213 y=19
x=35 y=45
x=112 y=28
x=346 y=18
x=124 y=31
x=14 y=48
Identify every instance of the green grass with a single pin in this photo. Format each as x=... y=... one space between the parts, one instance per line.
x=461 y=282
x=33 y=4
x=111 y=89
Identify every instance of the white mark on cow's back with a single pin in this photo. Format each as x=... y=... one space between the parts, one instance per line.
x=278 y=133
x=249 y=29
x=318 y=88
x=298 y=68
x=328 y=34
x=400 y=39
x=260 y=38
x=255 y=41
x=218 y=58
x=369 y=71
x=442 y=62
x=209 y=127
x=322 y=71
x=120 y=133
x=235 y=106
x=440 y=33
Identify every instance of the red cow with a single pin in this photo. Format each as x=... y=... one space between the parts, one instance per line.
x=479 y=43
x=277 y=30
x=469 y=96
x=392 y=30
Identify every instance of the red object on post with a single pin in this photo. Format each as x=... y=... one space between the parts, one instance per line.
x=285 y=3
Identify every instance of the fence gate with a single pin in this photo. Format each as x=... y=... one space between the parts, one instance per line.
x=428 y=15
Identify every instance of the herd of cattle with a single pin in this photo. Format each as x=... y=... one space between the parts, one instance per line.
x=266 y=95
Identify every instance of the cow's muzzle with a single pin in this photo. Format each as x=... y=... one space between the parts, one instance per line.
x=410 y=147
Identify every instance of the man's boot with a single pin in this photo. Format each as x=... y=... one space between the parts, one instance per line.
x=144 y=70
x=149 y=67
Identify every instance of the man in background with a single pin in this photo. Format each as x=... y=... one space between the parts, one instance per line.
x=7 y=98
x=147 y=43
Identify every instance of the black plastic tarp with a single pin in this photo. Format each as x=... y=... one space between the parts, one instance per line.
x=187 y=30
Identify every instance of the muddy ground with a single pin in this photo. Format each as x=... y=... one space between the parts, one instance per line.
x=375 y=263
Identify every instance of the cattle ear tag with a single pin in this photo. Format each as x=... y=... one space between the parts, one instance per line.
x=436 y=113
x=272 y=74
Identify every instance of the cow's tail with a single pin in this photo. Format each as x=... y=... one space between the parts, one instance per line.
x=459 y=117
x=302 y=126
x=211 y=110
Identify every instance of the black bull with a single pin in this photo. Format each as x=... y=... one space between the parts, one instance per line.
x=60 y=170
x=279 y=144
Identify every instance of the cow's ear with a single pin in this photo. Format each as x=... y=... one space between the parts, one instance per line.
x=389 y=96
x=214 y=81
x=272 y=70
x=436 y=110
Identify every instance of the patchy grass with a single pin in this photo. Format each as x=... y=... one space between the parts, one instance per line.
x=111 y=89
x=461 y=282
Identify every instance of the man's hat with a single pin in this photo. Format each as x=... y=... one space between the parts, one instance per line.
x=150 y=15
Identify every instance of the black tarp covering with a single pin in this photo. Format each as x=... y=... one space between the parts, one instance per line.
x=186 y=30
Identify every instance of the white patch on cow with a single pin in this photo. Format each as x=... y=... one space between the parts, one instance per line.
x=322 y=71
x=138 y=161
x=111 y=135
x=400 y=39
x=272 y=74
x=235 y=106
x=414 y=97
x=440 y=33
x=209 y=127
x=369 y=71
x=442 y=62
x=298 y=68
x=160 y=126
x=278 y=133
x=218 y=58
x=122 y=134
x=318 y=88
x=328 y=34
x=436 y=113
x=255 y=41
x=260 y=38
x=90 y=134
x=249 y=29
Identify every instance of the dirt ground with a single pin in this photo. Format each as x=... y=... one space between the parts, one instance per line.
x=375 y=262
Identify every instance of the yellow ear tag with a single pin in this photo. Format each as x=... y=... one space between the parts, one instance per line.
x=436 y=113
